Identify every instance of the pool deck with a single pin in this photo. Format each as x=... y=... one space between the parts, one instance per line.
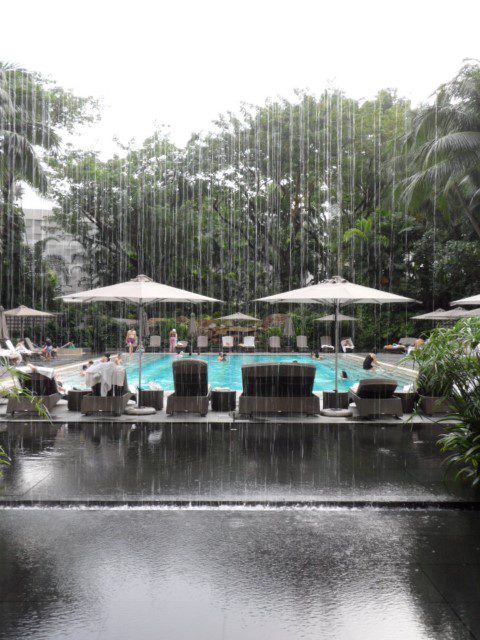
x=61 y=414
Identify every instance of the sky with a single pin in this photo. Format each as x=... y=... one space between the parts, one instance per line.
x=181 y=63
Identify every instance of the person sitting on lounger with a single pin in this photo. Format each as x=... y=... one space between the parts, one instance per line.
x=370 y=361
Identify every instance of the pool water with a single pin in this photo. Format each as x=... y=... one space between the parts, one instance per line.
x=158 y=368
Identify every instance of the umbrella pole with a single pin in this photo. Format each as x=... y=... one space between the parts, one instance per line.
x=336 y=354
x=140 y=349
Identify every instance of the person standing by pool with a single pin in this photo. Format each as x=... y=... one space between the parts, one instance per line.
x=370 y=361
x=172 y=340
x=131 y=340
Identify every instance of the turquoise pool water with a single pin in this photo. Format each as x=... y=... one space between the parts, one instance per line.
x=158 y=368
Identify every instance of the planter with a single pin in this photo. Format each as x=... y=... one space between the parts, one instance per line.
x=433 y=405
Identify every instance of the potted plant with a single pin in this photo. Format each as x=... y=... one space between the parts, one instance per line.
x=434 y=384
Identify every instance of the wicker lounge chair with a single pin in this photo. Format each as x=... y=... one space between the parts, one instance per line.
x=42 y=387
x=248 y=343
x=114 y=404
x=192 y=392
x=274 y=343
x=302 y=343
x=326 y=344
x=374 y=397
x=401 y=347
x=278 y=388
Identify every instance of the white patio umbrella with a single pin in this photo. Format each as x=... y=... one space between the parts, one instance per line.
x=336 y=291
x=240 y=317
x=474 y=300
x=340 y=318
x=141 y=291
x=451 y=314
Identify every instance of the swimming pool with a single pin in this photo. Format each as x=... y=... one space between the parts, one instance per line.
x=158 y=368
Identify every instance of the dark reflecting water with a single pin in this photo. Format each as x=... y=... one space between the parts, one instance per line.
x=199 y=461
x=239 y=574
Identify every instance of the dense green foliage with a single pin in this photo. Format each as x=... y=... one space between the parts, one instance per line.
x=449 y=366
x=275 y=197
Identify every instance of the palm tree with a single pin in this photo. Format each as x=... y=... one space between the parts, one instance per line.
x=24 y=127
x=445 y=146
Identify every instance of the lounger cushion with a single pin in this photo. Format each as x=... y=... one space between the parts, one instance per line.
x=278 y=380
x=375 y=388
x=190 y=378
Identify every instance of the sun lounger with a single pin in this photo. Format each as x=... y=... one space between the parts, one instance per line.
x=109 y=405
x=326 y=344
x=347 y=347
x=113 y=404
x=401 y=346
x=248 y=343
x=202 y=343
x=155 y=343
x=227 y=342
x=278 y=388
x=302 y=343
x=192 y=392
x=274 y=343
x=42 y=387
x=35 y=351
x=374 y=397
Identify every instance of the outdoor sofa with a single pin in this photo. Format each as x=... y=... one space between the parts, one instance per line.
x=192 y=391
x=278 y=388
x=374 y=397
x=42 y=387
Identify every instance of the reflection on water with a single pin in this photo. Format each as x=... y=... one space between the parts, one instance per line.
x=255 y=575
x=225 y=462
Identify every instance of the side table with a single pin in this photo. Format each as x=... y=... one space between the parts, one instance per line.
x=329 y=400
x=74 y=398
x=151 y=398
x=408 y=398
x=224 y=400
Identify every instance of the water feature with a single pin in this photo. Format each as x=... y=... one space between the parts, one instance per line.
x=235 y=462
x=158 y=368
x=235 y=572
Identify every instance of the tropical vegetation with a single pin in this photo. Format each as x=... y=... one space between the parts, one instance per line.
x=274 y=197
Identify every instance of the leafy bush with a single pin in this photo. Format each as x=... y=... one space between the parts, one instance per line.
x=450 y=366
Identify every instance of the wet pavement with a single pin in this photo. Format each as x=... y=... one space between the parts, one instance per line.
x=86 y=572
x=201 y=462
x=282 y=574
